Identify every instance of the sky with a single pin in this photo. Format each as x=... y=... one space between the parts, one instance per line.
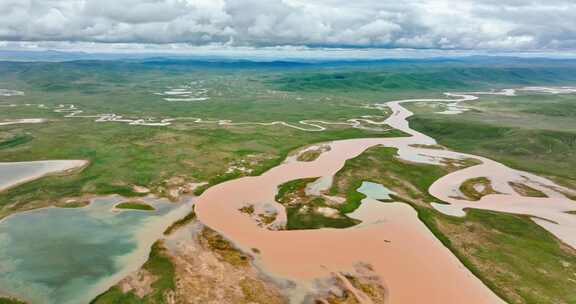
x=483 y=25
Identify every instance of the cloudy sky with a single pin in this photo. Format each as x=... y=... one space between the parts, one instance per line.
x=422 y=24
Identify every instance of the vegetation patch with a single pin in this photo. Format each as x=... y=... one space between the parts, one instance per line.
x=365 y=285
x=15 y=140
x=309 y=156
x=570 y=196
x=433 y=147
x=312 y=215
x=181 y=222
x=476 y=188
x=380 y=165
x=526 y=190
x=370 y=286
x=267 y=218
x=290 y=191
x=310 y=212
x=216 y=243
x=135 y=206
x=255 y=292
x=312 y=154
x=248 y=209
x=262 y=215
x=458 y=164
x=10 y=301
x=74 y=204
x=160 y=267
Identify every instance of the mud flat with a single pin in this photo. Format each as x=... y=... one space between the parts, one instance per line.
x=12 y=174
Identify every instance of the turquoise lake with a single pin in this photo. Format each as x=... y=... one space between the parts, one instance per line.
x=58 y=255
x=375 y=191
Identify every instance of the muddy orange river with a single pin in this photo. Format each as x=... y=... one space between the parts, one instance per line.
x=413 y=265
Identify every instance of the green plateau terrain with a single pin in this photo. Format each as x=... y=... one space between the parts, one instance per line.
x=516 y=258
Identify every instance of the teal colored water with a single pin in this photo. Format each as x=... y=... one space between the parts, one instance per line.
x=375 y=191
x=58 y=255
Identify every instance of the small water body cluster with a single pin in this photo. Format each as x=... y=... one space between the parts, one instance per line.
x=194 y=91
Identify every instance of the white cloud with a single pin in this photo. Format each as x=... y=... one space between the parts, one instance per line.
x=458 y=24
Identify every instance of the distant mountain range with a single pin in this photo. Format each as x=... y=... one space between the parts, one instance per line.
x=254 y=61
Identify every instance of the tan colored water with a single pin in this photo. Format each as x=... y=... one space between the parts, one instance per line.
x=413 y=264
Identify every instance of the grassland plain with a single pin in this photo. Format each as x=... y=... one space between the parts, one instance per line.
x=122 y=155
x=475 y=188
x=519 y=260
